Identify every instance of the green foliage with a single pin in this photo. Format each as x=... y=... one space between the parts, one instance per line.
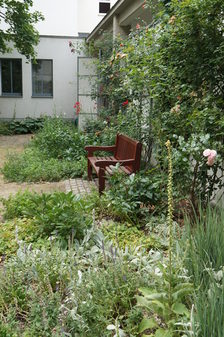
x=13 y=232
x=31 y=166
x=134 y=196
x=5 y=129
x=130 y=236
x=209 y=307
x=27 y=125
x=203 y=251
x=205 y=244
x=55 y=153
x=57 y=214
x=58 y=139
x=202 y=180
x=171 y=75
x=104 y=129
x=71 y=293
x=20 y=20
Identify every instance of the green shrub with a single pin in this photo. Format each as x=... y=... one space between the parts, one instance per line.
x=55 y=153
x=27 y=125
x=104 y=129
x=58 y=214
x=60 y=140
x=16 y=205
x=32 y=166
x=137 y=195
x=5 y=129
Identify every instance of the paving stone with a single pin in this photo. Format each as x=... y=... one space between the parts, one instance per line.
x=79 y=186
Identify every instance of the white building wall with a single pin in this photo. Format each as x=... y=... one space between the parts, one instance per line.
x=88 y=14
x=64 y=83
x=60 y=17
x=64 y=20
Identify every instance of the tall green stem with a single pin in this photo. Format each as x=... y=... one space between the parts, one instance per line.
x=170 y=216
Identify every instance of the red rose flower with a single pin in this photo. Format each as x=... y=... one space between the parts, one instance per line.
x=77 y=107
x=125 y=103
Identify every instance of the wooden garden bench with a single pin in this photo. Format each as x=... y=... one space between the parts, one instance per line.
x=126 y=152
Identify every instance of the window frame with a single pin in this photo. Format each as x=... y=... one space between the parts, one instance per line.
x=11 y=94
x=32 y=80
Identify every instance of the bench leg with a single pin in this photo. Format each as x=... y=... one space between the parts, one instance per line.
x=101 y=180
x=89 y=170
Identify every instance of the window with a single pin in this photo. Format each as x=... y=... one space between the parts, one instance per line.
x=11 y=77
x=104 y=7
x=42 y=78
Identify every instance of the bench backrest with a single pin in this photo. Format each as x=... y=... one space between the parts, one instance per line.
x=128 y=148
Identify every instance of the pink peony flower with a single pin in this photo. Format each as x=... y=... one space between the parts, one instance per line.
x=211 y=154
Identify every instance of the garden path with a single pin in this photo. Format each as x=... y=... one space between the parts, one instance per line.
x=16 y=144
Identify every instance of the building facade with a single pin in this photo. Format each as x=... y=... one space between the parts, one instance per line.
x=52 y=85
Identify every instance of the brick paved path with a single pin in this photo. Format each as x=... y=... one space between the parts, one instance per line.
x=79 y=186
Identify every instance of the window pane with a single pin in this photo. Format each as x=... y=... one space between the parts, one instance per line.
x=43 y=78
x=11 y=76
x=17 y=76
x=104 y=7
x=6 y=76
x=47 y=85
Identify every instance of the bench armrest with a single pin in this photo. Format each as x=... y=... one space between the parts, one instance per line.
x=105 y=163
x=91 y=149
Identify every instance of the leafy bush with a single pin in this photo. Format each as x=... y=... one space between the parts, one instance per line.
x=136 y=195
x=104 y=129
x=32 y=166
x=58 y=214
x=27 y=125
x=59 y=140
x=166 y=77
x=4 y=129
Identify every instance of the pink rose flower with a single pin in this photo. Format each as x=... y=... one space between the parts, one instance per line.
x=211 y=155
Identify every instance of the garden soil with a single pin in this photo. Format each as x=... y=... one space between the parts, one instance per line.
x=10 y=144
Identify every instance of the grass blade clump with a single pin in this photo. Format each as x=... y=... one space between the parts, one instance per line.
x=205 y=261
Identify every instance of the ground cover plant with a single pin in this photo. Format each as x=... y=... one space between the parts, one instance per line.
x=56 y=152
x=33 y=217
x=114 y=278
x=24 y=126
x=96 y=285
